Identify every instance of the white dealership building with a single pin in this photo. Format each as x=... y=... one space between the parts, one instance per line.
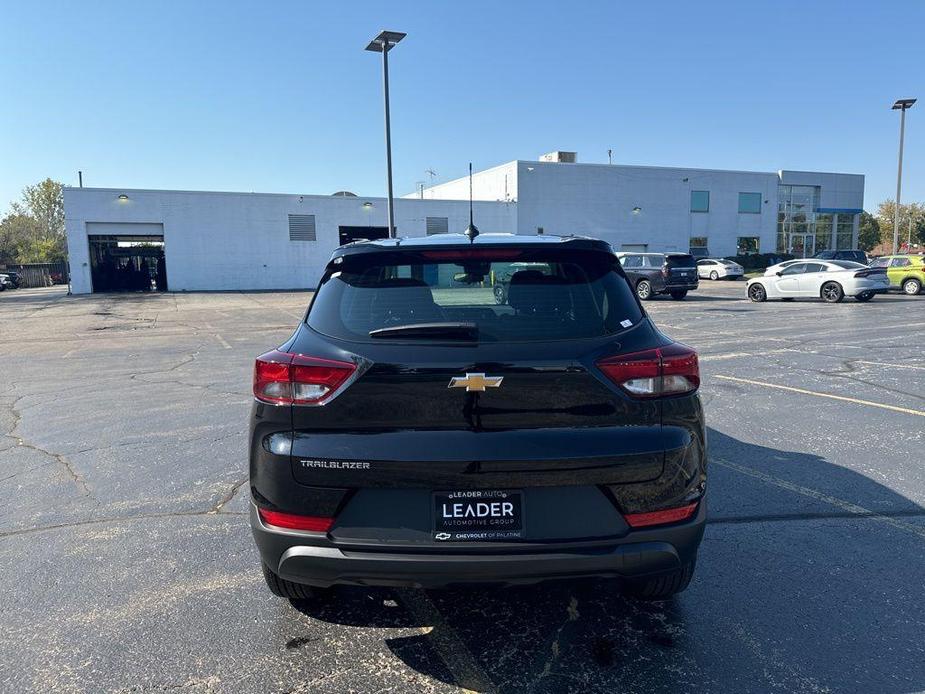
x=228 y=241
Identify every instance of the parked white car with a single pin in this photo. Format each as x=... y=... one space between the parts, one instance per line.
x=774 y=269
x=830 y=280
x=717 y=268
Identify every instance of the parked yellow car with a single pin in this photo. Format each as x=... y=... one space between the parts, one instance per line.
x=906 y=272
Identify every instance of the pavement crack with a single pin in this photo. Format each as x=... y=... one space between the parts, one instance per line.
x=228 y=496
x=65 y=464
x=114 y=519
x=572 y=615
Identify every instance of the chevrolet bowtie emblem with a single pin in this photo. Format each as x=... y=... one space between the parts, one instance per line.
x=475 y=382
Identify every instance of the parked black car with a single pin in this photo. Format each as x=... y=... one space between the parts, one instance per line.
x=855 y=256
x=660 y=273
x=412 y=431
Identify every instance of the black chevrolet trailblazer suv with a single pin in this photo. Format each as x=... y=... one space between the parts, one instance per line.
x=413 y=431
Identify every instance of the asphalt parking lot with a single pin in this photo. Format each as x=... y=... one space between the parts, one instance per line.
x=127 y=564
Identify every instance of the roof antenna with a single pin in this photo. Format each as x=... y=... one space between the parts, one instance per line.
x=471 y=230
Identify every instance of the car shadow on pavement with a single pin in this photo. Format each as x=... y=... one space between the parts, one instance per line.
x=809 y=579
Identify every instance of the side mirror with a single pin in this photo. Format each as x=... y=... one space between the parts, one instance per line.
x=779 y=273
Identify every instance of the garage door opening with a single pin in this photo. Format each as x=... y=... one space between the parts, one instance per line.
x=127 y=263
x=351 y=234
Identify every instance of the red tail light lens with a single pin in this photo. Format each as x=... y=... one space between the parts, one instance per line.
x=281 y=378
x=318 y=524
x=669 y=515
x=671 y=370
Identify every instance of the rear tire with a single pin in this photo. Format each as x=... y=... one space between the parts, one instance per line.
x=714 y=275
x=864 y=296
x=832 y=292
x=644 y=290
x=500 y=294
x=660 y=587
x=678 y=296
x=757 y=292
x=912 y=286
x=282 y=588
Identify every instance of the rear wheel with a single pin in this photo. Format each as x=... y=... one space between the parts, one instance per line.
x=500 y=294
x=756 y=292
x=864 y=296
x=678 y=295
x=912 y=286
x=832 y=292
x=660 y=587
x=282 y=588
x=714 y=275
x=644 y=290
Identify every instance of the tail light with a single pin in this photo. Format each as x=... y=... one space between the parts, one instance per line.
x=318 y=524
x=281 y=378
x=670 y=370
x=668 y=515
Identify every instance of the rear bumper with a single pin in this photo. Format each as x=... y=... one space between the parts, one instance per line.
x=312 y=559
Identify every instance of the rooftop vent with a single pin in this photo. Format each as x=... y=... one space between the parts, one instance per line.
x=561 y=157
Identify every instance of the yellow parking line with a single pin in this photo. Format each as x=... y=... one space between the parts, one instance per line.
x=803 y=391
x=820 y=496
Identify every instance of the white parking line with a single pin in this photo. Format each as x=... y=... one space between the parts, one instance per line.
x=883 y=363
x=469 y=676
x=223 y=341
x=733 y=355
x=803 y=391
x=820 y=496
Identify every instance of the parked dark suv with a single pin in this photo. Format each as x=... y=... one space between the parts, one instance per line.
x=415 y=432
x=855 y=256
x=660 y=273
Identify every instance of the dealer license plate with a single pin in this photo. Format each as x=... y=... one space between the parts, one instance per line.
x=478 y=515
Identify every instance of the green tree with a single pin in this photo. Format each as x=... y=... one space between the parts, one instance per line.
x=34 y=230
x=907 y=212
x=868 y=231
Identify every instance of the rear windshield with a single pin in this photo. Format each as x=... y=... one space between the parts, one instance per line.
x=680 y=261
x=503 y=295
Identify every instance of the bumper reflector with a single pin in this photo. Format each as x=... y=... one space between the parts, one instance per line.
x=291 y=521
x=669 y=515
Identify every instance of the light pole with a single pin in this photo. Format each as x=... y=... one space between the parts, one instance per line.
x=383 y=44
x=901 y=105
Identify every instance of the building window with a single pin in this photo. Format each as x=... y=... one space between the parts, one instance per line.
x=437 y=225
x=700 y=201
x=301 y=227
x=749 y=203
x=824 y=241
x=698 y=246
x=844 y=231
x=796 y=216
x=747 y=244
x=539 y=230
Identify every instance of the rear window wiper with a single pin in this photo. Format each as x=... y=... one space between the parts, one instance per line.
x=429 y=331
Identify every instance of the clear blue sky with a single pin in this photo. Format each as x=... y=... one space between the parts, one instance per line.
x=281 y=96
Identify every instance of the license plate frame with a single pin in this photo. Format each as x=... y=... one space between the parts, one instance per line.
x=463 y=524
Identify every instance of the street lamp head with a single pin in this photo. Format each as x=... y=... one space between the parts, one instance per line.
x=385 y=40
x=903 y=104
